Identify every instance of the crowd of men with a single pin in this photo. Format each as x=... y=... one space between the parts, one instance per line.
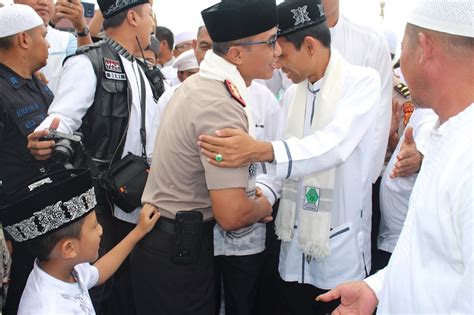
x=289 y=168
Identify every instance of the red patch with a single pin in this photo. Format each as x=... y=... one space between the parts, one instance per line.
x=112 y=65
x=234 y=92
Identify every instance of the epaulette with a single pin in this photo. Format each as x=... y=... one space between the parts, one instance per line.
x=402 y=89
x=234 y=92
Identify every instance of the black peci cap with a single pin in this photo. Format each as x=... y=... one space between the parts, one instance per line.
x=296 y=15
x=235 y=19
x=112 y=7
x=48 y=204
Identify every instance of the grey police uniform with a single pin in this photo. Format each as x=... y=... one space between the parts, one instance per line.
x=180 y=179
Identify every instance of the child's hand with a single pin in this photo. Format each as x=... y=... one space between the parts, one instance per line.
x=148 y=217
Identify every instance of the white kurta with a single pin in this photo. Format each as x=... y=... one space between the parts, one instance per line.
x=345 y=144
x=431 y=269
x=395 y=193
x=363 y=46
x=76 y=94
x=61 y=45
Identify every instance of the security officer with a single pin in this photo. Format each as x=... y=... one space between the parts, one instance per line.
x=24 y=101
x=101 y=91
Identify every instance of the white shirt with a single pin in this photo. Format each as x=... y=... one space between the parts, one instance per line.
x=431 y=268
x=76 y=94
x=346 y=144
x=46 y=295
x=395 y=193
x=265 y=113
x=62 y=44
x=363 y=46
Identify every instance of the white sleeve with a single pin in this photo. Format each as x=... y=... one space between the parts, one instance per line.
x=384 y=107
x=88 y=274
x=334 y=144
x=375 y=282
x=75 y=94
x=270 y=186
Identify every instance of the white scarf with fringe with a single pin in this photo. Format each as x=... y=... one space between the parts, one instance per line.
x=315 y=200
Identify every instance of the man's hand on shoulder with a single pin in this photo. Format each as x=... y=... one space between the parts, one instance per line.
x=234 y=148
x=42 y=149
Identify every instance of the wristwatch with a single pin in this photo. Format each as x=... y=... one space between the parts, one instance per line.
x=84 y=32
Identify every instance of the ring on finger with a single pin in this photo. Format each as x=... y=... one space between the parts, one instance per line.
x=219 y=158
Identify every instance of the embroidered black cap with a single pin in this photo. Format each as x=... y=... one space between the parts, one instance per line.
x=48 y=204
x=296 y=15
x=112 y=7
x=235 y=19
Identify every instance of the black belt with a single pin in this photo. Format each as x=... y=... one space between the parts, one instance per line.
x=168 y=225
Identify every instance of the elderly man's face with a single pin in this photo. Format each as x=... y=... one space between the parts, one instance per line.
x=44 y=8
x=202 y=44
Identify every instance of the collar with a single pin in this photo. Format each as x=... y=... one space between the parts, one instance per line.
x=14 y=79
x=314 y=88
x=120 y=49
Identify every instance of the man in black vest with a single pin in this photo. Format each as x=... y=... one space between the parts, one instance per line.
x=100 y=91
x=24 y=101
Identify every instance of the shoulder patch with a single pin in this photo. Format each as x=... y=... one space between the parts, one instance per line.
x=234 y=92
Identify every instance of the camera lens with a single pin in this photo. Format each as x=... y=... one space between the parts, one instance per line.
x=62 y=151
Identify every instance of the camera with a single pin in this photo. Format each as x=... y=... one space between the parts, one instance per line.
x=68 y=148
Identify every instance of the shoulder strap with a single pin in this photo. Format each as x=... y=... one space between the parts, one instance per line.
x=143 y=109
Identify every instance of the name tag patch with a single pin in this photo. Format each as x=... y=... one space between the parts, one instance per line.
x=115 y=76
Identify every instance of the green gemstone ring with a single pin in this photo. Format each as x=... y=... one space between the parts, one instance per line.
x=219 y=158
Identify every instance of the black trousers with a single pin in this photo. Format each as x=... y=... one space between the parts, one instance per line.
x=299 y=299
x=241 y=276
x=161 y=286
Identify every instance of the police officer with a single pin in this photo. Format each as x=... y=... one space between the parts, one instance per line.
x=101 y=91
x=24 y=101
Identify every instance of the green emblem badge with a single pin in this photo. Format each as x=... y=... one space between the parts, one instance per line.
x=311 y=198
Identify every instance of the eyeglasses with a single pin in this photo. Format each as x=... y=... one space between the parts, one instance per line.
x=272 y=41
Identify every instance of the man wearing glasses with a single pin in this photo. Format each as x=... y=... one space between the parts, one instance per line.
x=189 y=192
x=322 y=171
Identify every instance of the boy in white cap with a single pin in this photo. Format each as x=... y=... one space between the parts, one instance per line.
x=431 y=268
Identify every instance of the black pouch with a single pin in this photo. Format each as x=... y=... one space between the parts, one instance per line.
x=125 y=181
x=187 y=238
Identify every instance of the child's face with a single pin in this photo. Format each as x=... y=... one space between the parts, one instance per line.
x=90 y=238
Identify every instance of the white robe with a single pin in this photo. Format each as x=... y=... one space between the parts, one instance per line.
x=345 y=144
x=431 y=269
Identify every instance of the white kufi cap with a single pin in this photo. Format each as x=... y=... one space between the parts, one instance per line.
x=186 y=61
x=183 y=37
x=17 y=18
x=448 y=16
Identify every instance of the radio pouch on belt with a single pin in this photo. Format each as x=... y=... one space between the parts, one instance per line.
x=187 y=238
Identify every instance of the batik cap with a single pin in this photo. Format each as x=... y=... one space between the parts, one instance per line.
x=47 y=204
x=297 y=15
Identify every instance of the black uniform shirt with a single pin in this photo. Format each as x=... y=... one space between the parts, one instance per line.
x=23 y=105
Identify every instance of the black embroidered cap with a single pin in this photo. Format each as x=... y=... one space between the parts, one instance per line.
x=112 y=7
x=235 y=19
x=48 y=204
x=295 y=15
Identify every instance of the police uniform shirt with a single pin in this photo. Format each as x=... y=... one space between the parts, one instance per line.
x=24 y=104
x=180 y=176
x=76 y=94
x=363 y=46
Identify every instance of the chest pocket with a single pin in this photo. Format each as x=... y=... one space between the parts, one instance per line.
x=28 y=116
x=114 y=96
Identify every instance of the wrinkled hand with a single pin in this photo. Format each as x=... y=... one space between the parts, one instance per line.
x=147 y=220
x=409 y=158
x=42 y=149
x=357 y=298
x=40 y=75
x=72 y=11
x=235 y=146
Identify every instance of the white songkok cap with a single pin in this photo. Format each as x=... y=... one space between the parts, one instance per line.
x=448 y=16
x=17 y=18
x=183 y=37
x=186 y=61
